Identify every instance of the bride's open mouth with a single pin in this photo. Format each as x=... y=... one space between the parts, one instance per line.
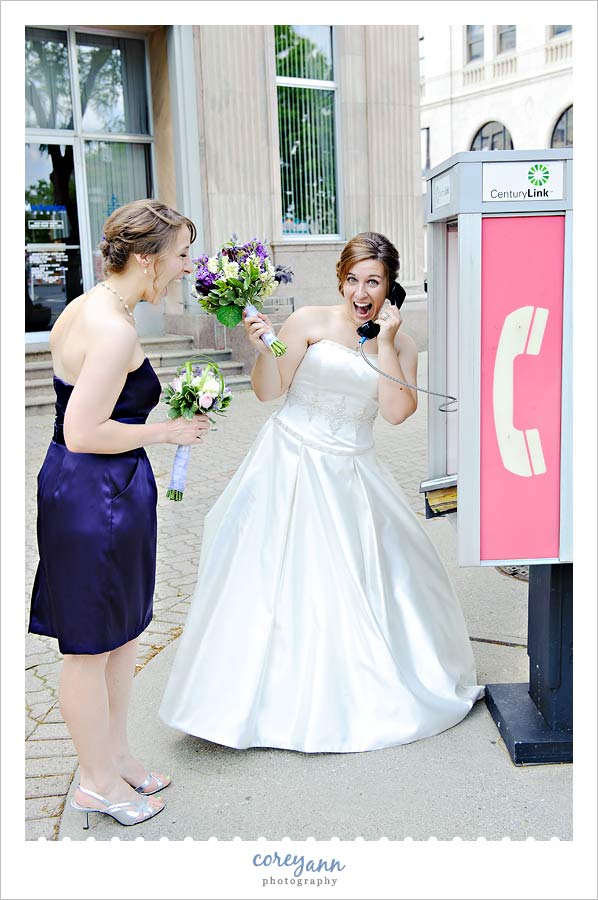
x=362 y=310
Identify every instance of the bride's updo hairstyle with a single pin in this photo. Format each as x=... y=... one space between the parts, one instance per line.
x=368 y=245
x=147 y=227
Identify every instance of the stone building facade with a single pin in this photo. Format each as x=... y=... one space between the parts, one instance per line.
x=214 y=151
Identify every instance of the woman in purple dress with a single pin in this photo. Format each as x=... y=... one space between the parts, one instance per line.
x=96 y=526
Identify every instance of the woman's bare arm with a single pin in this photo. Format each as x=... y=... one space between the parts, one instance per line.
x=88 y=427
x=271 y=376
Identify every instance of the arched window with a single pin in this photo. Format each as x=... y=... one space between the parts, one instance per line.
x=492 y=136
x=562 y=135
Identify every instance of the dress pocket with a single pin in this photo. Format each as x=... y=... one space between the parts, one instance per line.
x=128 y=476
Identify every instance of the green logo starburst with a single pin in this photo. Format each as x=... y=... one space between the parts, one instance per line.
x=538 y=174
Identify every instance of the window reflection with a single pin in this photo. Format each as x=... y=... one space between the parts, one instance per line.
x=48 y=101
x=492 y=136
x=506 y=38
x=304 y=51
x=116 y=173
x=112 y=84
x=52 y=253
x=306 y=128
x=475 y=42
x=562 y=136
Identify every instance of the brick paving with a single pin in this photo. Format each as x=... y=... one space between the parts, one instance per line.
x=51 y=761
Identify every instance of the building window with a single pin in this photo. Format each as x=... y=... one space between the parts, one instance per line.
x=48 y=100
x=306 y=92
x=112 y=81
x=492 y=136
x=562 y=135
x=505 y=38
x=425 y=149
x=555 y=30
x=88 y=151
x=475 y=42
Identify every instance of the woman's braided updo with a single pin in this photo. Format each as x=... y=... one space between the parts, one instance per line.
x=147 y=227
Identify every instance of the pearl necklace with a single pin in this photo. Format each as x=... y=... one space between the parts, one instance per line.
x=120 y=297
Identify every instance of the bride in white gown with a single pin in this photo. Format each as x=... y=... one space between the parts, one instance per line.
x=323 y=619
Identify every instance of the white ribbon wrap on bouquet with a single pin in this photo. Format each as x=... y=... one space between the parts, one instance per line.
x=267 y=338
x=178 y=479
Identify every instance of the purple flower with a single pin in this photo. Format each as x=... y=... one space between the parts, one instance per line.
x=256 y=247
x=204 y=279
x=283 y=274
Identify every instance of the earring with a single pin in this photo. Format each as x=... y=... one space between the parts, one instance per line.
x=145 y=271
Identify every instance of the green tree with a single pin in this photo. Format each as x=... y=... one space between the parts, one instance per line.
x=41 y=192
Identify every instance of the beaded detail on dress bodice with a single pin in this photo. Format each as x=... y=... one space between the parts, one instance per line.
x=332 y=401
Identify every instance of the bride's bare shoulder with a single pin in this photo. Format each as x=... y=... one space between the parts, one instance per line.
x=315 y=313
x=311 y=321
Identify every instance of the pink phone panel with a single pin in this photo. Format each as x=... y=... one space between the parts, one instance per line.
x=521 y=346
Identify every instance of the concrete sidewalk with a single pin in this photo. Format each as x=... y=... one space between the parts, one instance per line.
x=460 y=783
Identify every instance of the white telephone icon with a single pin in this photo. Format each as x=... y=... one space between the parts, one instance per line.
x=522 y=332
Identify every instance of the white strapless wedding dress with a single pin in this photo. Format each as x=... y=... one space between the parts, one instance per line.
x=323 y=619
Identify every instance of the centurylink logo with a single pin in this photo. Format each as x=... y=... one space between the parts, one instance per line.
x=538 y=174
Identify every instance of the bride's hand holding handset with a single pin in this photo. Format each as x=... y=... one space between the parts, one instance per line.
x=398 y=358
x=390 y=320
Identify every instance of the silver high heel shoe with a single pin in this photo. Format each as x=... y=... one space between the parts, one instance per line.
x=162 y=782
x=127 y=812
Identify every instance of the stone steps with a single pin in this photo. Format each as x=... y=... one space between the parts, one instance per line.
x=39 y=387
x=152 y=345
x=166 y=359
x=166 y=353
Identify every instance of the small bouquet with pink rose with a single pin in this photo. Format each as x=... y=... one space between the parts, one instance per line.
x=239 y=276
x=198 y=387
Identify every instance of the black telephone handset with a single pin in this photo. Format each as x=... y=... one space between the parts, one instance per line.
x=370 y=329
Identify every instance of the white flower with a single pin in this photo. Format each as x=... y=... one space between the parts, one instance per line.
x=196 y=381
x=211 y=385
x=212 y=265
x=176 y=384
x=230 y=269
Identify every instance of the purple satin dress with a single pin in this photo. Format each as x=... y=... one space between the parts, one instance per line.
x=96 y=531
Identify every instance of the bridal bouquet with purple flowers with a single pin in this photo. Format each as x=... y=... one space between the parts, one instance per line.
x=239 y=276
x=198 y=387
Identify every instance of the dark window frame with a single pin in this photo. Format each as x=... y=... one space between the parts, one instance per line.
x=564 y=123
x=503 y=131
